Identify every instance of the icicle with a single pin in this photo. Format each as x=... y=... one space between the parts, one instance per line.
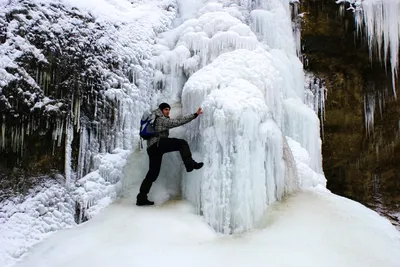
x=369 y=112
x=296 y=26
x=22 y=140
x=77 y=112
x=382 y=25
x=3 y=133
x=82 y=152
x=60 y=132
x=68 y=151
x=28 y=127
x=95 y=107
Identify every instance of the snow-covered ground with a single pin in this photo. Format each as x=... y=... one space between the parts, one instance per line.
x=50 y=206
x=309 y=228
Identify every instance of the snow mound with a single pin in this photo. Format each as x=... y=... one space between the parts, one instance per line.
x=26 y=221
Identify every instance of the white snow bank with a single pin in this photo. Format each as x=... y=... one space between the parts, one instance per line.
x=307 y=177
x=25 y=222
x=312 y=228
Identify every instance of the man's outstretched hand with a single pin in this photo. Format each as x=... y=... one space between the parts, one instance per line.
x=199 y=112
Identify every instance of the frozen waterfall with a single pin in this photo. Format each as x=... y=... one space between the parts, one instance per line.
x=258 y=139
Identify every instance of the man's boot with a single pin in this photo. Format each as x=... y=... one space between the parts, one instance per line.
x=143 y=201
x=193 y=165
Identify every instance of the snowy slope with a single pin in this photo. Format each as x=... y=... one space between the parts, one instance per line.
x=311 y=228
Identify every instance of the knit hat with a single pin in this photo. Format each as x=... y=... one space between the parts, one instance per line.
x=163 y=106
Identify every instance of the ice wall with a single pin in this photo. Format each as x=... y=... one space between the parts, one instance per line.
x=237 y=59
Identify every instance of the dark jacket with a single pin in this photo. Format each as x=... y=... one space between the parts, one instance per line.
x=163 y=124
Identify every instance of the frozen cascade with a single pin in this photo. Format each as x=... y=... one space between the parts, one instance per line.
x=198 y=42
x=251 y=85
x=273 y=26
x=296 y=24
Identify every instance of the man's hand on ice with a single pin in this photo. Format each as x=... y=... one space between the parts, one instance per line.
x=199 y=112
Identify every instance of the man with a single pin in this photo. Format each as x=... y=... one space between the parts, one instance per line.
x=161 y=144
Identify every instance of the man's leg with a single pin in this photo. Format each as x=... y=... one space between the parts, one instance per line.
x=173 y=144
x=155 y=158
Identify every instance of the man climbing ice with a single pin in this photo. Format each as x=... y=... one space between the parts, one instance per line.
x=159 y=144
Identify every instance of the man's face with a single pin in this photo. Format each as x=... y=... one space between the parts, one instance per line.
x=166 y=111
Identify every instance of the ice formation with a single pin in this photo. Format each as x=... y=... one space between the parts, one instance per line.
x=380 y=19
x=250 y=83
x=315 y=96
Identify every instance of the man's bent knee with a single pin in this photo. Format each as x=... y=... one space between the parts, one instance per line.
x=183 y=142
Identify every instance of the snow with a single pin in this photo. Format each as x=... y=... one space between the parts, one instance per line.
x=314 y=227
x=258 y=136
x=25 y=222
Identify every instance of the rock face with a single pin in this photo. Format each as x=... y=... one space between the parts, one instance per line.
x=69 y=85
x=54 y=69
x=361 y=129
